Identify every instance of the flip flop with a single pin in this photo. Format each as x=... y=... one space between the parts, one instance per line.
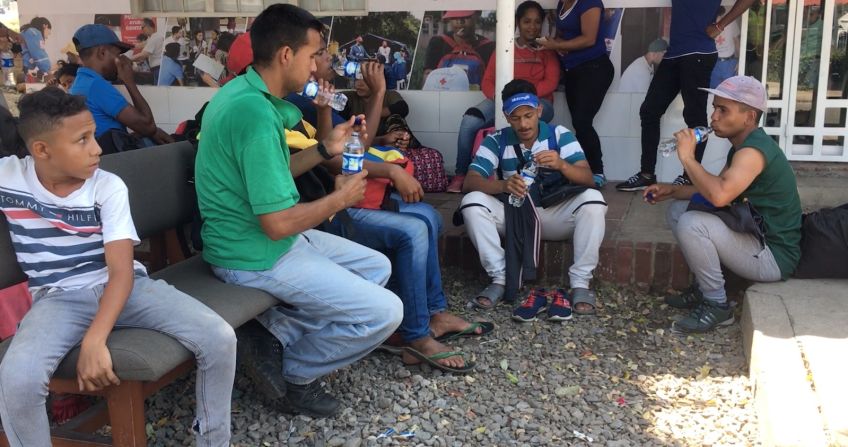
x=433 y=360
x=583 y=296
x=493 y=292
x=470 y=331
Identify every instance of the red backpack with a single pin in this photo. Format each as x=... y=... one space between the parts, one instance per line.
x=466 y=56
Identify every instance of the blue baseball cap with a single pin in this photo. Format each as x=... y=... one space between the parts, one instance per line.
x=518 y=100
x=89 y=36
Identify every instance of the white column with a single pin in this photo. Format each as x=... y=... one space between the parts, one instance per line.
x=505 y=50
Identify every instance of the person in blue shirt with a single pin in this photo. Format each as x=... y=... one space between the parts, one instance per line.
x=171 y=70
x=33 y=38
x=101 y=54
x=357 y=50
x=587 y=72
x=686 y=69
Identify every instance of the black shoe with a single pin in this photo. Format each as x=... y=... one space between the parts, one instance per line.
x=309 y=399
x=704 y=318
x=687 y=299
x=261 y=356
x=637 y=182
x=682 y=180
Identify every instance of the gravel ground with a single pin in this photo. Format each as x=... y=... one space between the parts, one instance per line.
x=620 y=378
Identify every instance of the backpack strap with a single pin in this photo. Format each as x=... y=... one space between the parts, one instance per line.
x=552 y=140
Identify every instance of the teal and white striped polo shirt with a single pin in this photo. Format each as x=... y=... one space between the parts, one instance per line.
x=497 y=149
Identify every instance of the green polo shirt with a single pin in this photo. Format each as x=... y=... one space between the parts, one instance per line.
x=242 y=171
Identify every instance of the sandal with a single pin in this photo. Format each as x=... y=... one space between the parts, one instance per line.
x=493 y=292
x=583 y=296
x=471 y=331
x=433 y=360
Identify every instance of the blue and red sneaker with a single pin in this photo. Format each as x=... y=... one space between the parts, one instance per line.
x=532 y=306
x=560 y=307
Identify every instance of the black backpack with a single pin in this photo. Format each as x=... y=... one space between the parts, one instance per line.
x=824 y=244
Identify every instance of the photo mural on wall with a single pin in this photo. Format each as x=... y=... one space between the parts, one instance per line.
x=421 y=50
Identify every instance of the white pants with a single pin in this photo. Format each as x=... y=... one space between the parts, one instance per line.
x=583 y=222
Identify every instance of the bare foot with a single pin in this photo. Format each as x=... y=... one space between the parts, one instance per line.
x=429 y=346
x=444 y=322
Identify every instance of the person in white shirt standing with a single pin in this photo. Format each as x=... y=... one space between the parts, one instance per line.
x=152 y=52
x=386 y=51
x=727 y=44
x=636 y=78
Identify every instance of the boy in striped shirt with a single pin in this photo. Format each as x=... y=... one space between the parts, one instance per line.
x=580 y=217
x=73 y=235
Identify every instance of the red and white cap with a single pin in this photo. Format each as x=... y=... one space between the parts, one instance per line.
x=742 y=89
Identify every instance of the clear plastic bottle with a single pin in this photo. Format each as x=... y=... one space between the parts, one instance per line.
x=669 y=145
x=8 y=60
x=528 y=174
x=347 y=68
x=353 y=156
x=337 y=100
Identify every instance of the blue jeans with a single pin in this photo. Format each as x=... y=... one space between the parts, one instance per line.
x=59 y=319
x=724 y=68
x=337 y=309
x=479 y=117
x=411 y=238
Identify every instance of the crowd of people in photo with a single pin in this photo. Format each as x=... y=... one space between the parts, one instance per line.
x=353 y=257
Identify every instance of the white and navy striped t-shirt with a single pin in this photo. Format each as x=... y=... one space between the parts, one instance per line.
x=59 y=241
x=498 y=149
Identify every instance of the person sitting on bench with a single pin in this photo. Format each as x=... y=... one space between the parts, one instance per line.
x=73 y=234
x=334 y=309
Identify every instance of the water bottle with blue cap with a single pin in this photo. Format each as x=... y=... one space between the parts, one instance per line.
x=337 y=100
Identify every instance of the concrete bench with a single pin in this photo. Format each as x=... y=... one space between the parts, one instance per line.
x=161 y=198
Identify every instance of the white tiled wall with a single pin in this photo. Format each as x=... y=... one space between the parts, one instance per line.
x=435 y=116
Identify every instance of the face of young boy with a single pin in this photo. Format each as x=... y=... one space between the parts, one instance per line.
x=70 y=149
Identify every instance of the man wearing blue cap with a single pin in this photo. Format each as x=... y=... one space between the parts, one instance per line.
x=580 y=216
x=101 y=53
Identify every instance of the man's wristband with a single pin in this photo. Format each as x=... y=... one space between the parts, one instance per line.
x=323 y=151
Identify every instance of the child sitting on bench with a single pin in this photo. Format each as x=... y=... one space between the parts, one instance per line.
x=73 y=235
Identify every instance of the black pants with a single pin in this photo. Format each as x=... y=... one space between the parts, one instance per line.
x=586 y=86
x=684 y=75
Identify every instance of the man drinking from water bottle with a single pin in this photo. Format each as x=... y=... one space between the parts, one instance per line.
x=715 y=219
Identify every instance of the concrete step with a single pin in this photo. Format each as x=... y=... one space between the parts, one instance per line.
x=795 y=336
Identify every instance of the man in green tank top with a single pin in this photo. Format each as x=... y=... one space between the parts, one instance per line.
x=756 y=171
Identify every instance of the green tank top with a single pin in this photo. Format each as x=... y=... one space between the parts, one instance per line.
x=774 y=194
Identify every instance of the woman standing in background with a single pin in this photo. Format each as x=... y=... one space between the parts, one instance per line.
x=587 y=72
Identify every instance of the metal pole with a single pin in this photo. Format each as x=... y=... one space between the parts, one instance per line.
x=505 y=45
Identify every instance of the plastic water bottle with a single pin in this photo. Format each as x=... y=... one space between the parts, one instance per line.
x=347 y=68
x=528 y=174
x=353 y=156
x=337 y=100
x=669 y=145
x=8 y=65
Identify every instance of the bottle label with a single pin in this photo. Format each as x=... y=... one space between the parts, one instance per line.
x=8 y=63
x=351 y=68
x=310 y=90
x=352 y=163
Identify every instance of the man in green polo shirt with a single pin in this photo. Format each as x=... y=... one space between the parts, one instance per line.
x=255 y=232
x=756 y=171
